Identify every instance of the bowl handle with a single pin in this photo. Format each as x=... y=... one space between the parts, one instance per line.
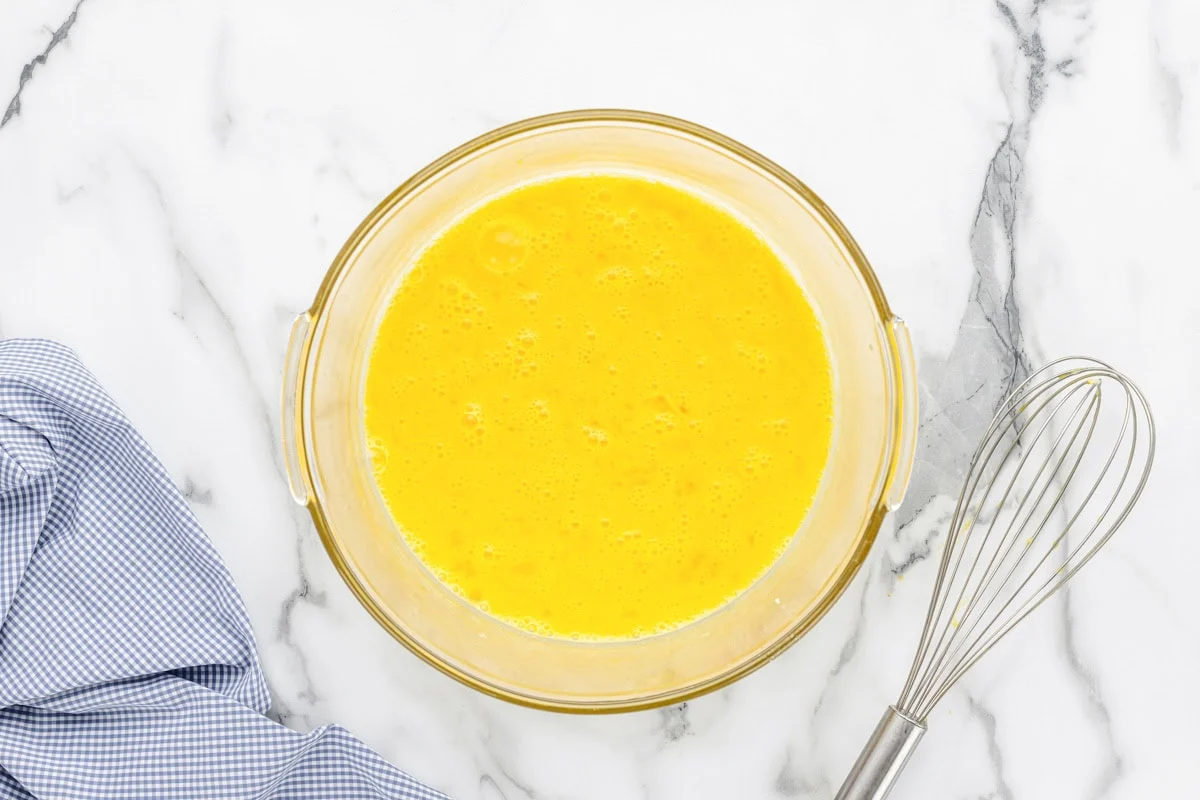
x=293 y=436
x=907 y=410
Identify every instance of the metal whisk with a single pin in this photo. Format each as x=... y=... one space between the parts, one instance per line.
x=1057 y=472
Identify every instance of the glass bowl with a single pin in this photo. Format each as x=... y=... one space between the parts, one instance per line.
x=875 y=416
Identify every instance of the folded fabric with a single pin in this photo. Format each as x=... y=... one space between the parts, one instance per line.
x=127 y=664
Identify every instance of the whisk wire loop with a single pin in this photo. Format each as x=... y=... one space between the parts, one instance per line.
x=966 y=620
x=1032 y=511
x=1054 y=476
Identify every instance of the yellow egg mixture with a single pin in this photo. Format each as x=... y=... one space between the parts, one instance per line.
x=598 y=406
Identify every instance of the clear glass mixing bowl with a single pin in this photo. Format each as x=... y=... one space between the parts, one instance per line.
x=868 y=469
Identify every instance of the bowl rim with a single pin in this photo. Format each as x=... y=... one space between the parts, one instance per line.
x=294 y=391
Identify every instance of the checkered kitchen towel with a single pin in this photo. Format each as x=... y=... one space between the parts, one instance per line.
x=127 y=664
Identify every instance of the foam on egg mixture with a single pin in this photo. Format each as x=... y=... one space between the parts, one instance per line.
x=598 y=406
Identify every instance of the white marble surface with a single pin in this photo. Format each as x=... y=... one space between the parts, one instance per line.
x=176 y=177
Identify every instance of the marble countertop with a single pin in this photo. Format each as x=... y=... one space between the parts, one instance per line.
x=175 y=179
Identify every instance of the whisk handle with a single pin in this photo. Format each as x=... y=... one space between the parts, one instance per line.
x=886 y=753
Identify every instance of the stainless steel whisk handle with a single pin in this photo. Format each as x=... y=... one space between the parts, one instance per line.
x=886 y=752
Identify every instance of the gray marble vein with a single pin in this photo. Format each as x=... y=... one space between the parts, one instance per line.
x=810 y=776
x=923 y=542
x=197 y=295
x=674 y=722
x=1112 y=765
x=486 y=781
x=284 y=634
x=987 y=721
x=789 y=783
x=222 y=112
x=304 y=595
x=195 y=290
x=194 y=493
x=56 y=38
x=524 y=789
x=517 y=785
x=992 y=353
x=959 y=393
x=1170 y=89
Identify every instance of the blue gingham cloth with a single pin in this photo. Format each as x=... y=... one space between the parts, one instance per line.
x=127 y=664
